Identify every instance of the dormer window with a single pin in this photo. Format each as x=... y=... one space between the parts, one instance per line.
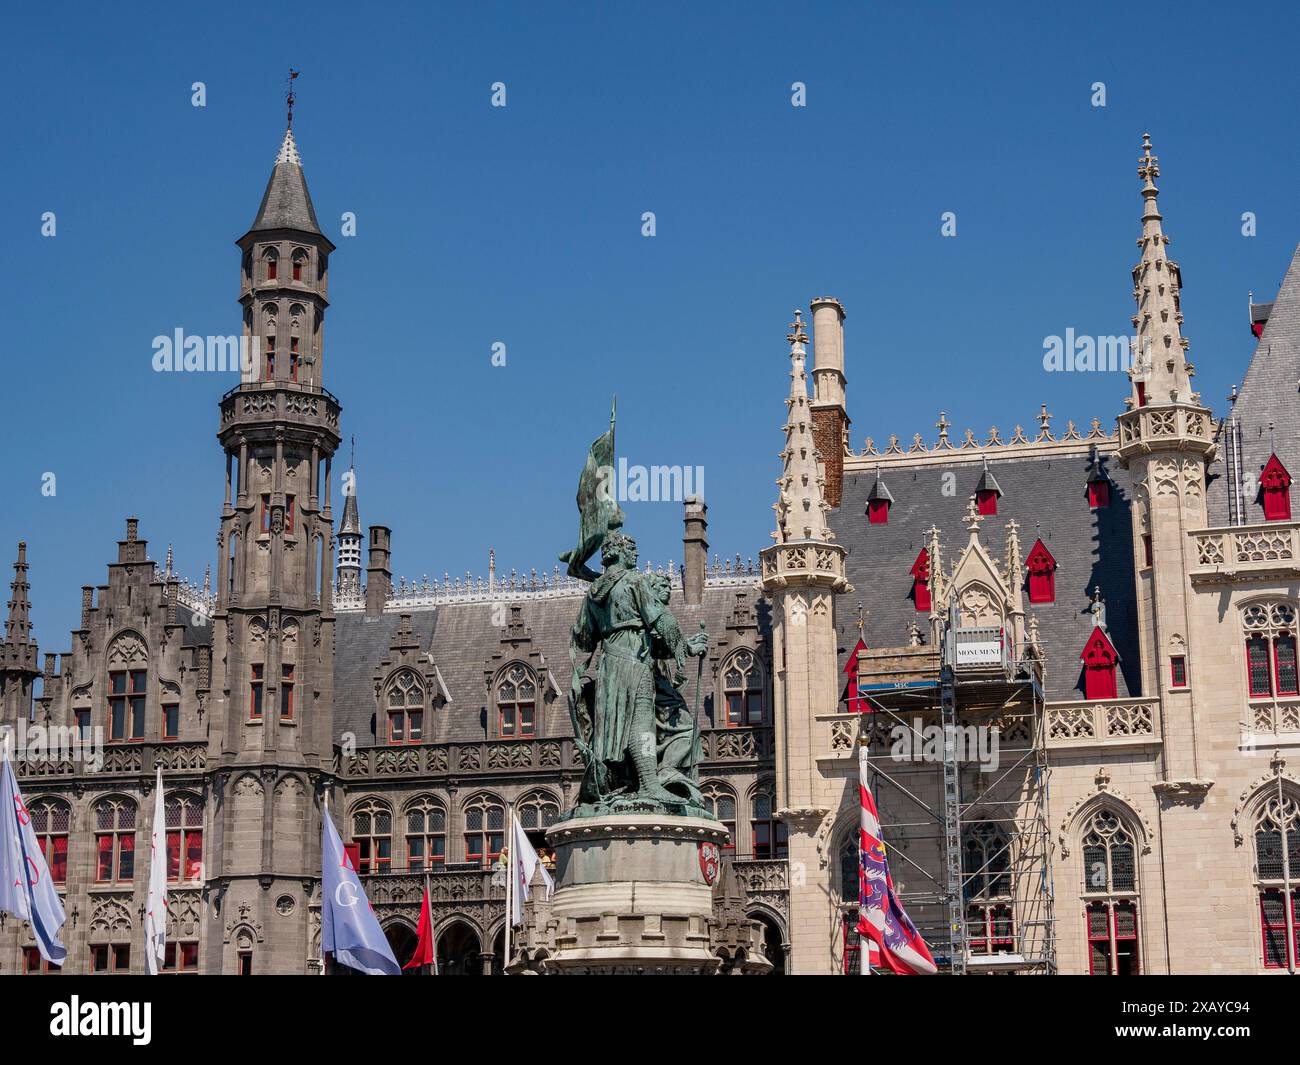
x=1098 y=493
x=1042 y=574
x=921 y=581
x=879 y=501
x=1275 y=489
x=1099 y=661
x=987 y=492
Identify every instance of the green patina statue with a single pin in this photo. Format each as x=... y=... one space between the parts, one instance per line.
x=638 y=737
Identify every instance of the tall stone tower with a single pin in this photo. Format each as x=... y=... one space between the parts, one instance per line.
x=273 y=627
x=349 y=540
x=1166 y=439
x=801 y=572
x=17 y=651
x=829 y=413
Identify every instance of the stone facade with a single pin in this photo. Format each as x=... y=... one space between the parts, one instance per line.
x=1132 y=827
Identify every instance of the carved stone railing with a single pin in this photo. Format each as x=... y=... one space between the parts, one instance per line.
x=766 y=882
x=118 y=759
x=725 y=746
x=1246 y=552
x=1108 y=723
x=1268 y=718
x=451 y=887
x=1154 y=427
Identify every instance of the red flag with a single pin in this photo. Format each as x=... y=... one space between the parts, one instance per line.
x=423 y=936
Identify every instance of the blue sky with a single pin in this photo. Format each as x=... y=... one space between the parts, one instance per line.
x=523 y=225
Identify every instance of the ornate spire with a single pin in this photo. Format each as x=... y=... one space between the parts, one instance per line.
x=18 y=629
x=286 y=204
x=800 y=507
x=1160 y=363
x=167 y=567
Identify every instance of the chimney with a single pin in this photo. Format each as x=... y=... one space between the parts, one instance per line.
x=830 y=417
x=379 y=578
x=695 y=545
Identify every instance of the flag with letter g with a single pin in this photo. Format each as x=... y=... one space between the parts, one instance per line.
x=349 y=928
x=26 y=888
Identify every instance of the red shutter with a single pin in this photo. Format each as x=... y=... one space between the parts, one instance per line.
x=986 y=501
x=1098 y=494
x=352 y=851
x=857 y=704
x=1099 y=660
x=1042 y=574
x=1275 y=485
x=878 y=511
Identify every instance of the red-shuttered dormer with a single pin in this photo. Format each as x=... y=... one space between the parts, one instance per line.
x=1275 y=488
x=1099 y=661
x=879 y=500
x=1042 y=574
x=921 y=581
x=857 y=704
x=987 y=493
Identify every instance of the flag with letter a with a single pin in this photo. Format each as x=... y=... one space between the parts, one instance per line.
x=26 y=888
x=349 y=928
x=893 y=942
x=155 y=908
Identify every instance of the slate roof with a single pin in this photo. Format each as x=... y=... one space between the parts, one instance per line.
x=463 y=638
x=1268 y=394
x=1047 y=494
x=286 y=204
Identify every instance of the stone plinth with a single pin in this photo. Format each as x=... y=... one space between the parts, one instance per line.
x=631 y=896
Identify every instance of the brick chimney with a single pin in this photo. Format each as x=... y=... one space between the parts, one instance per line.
x=379 y=578
x=695 y=546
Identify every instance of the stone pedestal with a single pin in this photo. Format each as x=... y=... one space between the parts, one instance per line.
x=634 y=894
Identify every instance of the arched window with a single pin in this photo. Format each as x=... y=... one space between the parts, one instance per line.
x=299 y=265
x=742 y=684
x=184 y=817
x=127 y=684
x=516 y=702
x=1110 y=893
x=986 y=885
x=114 y=840
x=271 y=258
x=849 y=868
x=1277 y=874
x=485 y=829
x=1270 y=649
x=720 y=800
x=426 y=835
x=404 y=701
x=51 y=820
x=372 y=836
x=770 y=837
x=537 y=811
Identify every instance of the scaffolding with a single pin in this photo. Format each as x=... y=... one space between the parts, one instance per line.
x=959 y=772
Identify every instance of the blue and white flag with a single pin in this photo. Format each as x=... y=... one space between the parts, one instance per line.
x=349 y=928
x=26 y=888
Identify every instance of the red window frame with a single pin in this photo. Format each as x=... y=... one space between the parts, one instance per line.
x=297 y=267
x=187 y=842
x=1259 y=674
x=52 y=841
x=266 y=513
x=171 y=720
x=270 y=358
x=878 y=511
x=1284 y=665
x=1099 y=662
x=294 y=356
x=997 y=928
x=286 y=692
x=257 y=687
x=1041 y=582
x=186 y=953
x=272 y=267
x=1098 y=494
x=35 y=965
x=115 y=854
x=921 y=581
x=517 y=720
x=1109 y=908
x=1142 y=393
x=1275 y=485
x=288 y=513
x=1148 y=554
x=986 y=502
x=1265 y=927
x=1178 y=671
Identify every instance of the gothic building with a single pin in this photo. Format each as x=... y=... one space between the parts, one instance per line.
x=1070 y=654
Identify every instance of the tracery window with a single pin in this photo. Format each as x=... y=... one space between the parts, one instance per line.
x=404 y=701
x=986 y=868
x=51 y=820
x=114 y=840
x=1277 y=874
x=537 y=811
x=184 y=819
x=372 y=836
x=1270 y=649
x=742 y=683
x=485 y=829
x=426 y=835
x=1110 y=892
x=720 y=800
x=516 y=703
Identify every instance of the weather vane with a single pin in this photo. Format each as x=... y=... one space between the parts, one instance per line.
x=288 y=93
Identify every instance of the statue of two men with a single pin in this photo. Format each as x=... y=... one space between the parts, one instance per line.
x=638 y=736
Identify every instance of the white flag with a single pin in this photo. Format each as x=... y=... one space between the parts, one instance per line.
x=155 y=914
x=525 y=864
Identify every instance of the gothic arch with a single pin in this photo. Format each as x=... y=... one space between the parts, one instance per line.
x=1257 y=795
x=1121 y=805
x=127 y=648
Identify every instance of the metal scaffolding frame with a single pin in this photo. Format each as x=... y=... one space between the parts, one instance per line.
x=908 y=690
